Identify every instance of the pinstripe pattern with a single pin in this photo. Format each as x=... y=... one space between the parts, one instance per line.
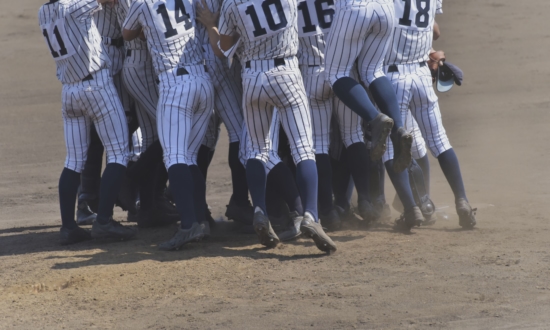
x=410 y=44
x=122 y=8
x=282 y=87
x=89 y=54
x=280 y=45
x=183 y=114
x=108 y=27
x=94 y=101
x=364 y=31
x=212 y=134
x=246 y=143
x=415 y=92
x=166 y=54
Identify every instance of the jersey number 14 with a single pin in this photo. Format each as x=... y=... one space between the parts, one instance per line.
x=176 y=10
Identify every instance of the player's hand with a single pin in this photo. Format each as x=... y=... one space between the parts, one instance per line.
x=205 y=16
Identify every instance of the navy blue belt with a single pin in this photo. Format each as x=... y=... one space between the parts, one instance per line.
x=393 y=67
x=276 y=62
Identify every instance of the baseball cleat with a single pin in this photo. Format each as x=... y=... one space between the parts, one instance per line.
x=84 y=215
x=205 y=229
x=402 y=143
x=263 y=229
x=412 y=217
x=331 y=220
x=182 y=237
x=72 y=236
x=242 y=214
x=155 y=217
x=380 y=129
x=112 y=229
x=366 y=211
x=466 y=215
x=314 y=230
x=294 y=230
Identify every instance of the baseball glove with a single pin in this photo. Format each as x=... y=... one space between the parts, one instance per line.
x=437 y=58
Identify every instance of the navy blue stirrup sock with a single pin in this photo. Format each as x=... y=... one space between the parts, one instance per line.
x=357 y=158
x=256 y=178
x=341 y=177
x=238 y=176
x=450 y=167
x=424 y=164
x=285 y=185
x=108 y=192
x=203 y=160
x=384 y=95
x=306 y=179
x=68 y=187
x=324 y=172
x=402 y=185
x=199 y=195
x=355 y=97
x=182 y=188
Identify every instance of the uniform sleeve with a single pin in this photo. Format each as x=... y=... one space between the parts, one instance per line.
x=226 y=25
x=83 y=9
x=439 y=9
x=132 y=19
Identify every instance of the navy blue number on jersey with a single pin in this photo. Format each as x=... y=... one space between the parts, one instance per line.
x=322 y=15
x=422 y=17
x=181 y=15
x=60 y=42
x=258 y=29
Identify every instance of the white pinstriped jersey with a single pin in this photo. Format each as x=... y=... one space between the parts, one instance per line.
x=73 y=38
x=314 y=21
x=122 y=8
x=169 y=27
x=413 y=34
x=108 y=27
x=267 y=28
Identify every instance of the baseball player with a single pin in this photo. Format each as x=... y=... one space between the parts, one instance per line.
x=88 y=97
x=228 y=107
x=267 y=30
x=361 y=34
x=139 y=78
x=410 y=75
x=185 y=103
x=314 y=25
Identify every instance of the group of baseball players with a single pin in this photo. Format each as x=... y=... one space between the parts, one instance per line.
x=318 y=97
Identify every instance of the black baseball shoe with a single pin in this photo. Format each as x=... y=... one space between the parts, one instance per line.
x=84 y=215
x=402 y=143
x=412 y=217
x=366 y=211
x=112 y=229
x=466 y=215
x=263 y=229
x=182 y=237
x=243 y=214
x=155 y=217
x=294 y=228
x=331 y=220
x=72 y=236
x=380 y=129
x=314 y=230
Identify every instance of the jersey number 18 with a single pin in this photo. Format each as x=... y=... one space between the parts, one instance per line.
x=422 y=18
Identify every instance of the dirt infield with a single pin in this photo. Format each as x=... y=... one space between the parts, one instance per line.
x=494 y=277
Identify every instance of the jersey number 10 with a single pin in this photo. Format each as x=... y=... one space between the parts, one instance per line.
x=258 y=29
x=422 y=16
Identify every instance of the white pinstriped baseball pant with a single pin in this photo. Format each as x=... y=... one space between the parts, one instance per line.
x=360 y=31
x=265 y=90
x=184 y=109
x=95 y=102
x=139 y=78
x=414 y=88
x=322 y=102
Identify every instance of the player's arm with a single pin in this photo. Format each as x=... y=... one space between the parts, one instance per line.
x=437 y=32
x=210 y=21
x=131 y=28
